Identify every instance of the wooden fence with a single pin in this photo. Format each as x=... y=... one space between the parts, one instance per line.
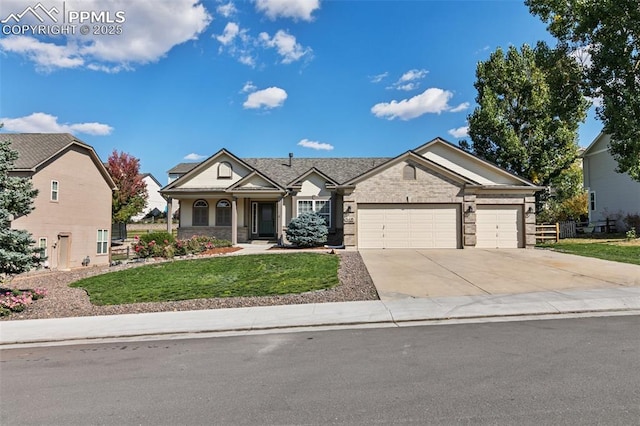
x=555 y=231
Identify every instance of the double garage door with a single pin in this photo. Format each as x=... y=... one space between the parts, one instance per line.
x=436 y=226
x=408 y=226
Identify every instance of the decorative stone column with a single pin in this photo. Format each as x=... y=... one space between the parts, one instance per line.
x=469 y=221
x=530 y=221
x=169 y=215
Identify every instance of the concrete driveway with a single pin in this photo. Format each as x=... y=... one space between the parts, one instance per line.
x=401 y=273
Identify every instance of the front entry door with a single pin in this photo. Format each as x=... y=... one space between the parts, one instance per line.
x=266 y=219
x=64 y=246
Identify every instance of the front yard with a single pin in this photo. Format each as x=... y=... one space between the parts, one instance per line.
x=232 y=276
x=607 y=247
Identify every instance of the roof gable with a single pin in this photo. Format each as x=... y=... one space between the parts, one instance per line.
x=298 y=182
x=36 y=150
x=468 y=165
x=411 y=156
x=207 y=173
x=255 y=181
x=599 y=144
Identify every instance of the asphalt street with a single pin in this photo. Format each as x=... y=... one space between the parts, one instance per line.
x=571 y=371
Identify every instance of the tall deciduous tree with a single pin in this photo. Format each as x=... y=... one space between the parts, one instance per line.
x=608 y=32
x=529 y=107
x=131 y=196
x=17 y=251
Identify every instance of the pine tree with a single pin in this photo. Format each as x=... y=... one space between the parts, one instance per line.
x=308 y=230
x=17 y=248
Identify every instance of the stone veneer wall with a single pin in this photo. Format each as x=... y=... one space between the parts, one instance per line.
x=220 y=232
x=430 y=187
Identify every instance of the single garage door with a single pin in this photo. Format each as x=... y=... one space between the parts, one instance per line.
x=408 y=225
x=499 y=226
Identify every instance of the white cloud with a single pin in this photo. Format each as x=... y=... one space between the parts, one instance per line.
x=460 y=132
x=227 y=10
x=193 y=157
x=432 y=100
x=410 y=80
x=286 y=45
x=315 y=145
x=231 y=30
x=378 y=78
x=295 y=9
x=414 y=74
x=46 y=56
x=150 y=30
x=248 y=87
x=463 y=106
x=39 y=122
x=271 y=97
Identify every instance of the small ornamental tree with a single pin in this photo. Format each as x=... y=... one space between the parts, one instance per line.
x=308 y=230
x=131 y=196
x=17 y=249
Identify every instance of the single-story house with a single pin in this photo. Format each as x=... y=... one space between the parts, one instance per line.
x=612 y=195
x=154 y=199
x=435 y=196
x=72 y=215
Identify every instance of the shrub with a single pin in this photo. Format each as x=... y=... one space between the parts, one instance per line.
x=170 y=247
x=308 y=230
x=633 y=222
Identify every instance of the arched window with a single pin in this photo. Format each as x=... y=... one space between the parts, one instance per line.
x=200 y=213
x=409 y=172
x=223 y=213
x=224 y=170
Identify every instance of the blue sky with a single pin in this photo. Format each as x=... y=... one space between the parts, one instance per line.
x=185 y=78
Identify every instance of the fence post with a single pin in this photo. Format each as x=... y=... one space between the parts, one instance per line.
x=557 y=232
x=128 y=252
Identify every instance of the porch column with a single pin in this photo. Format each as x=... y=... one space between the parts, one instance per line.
x=234 y=221
x=169 y=215
x=279 y=219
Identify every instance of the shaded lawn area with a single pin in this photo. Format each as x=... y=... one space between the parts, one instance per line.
x=232 y=276
x=626 y=253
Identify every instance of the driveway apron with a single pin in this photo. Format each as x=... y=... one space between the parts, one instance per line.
x=402 y=273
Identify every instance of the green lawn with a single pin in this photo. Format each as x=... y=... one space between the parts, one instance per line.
x=250 y=275
x=616 y=250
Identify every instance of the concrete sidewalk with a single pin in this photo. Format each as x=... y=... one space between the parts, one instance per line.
x=396 y=312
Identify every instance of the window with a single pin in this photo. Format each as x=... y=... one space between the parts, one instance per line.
x=224 y=170
x=223 y=213
x=409 y=172
x=322 y=207
x=42 y=244
x=200 y=213
x=103 y=240
x=592 y=200
x=54 y=190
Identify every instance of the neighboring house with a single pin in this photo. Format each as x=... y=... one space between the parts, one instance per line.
x=72 y=215
x=436 y=196
x=611 y=195
x=154 y=199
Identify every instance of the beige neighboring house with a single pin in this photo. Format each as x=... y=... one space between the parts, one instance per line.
x=611 y=195
x=154 y=199
x=435 y=196
x=72 y=216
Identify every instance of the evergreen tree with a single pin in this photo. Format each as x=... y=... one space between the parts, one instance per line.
x=17 y=248
x=308 y=230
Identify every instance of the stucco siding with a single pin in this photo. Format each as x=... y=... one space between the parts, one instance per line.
x=83 y=207
x=208 y=178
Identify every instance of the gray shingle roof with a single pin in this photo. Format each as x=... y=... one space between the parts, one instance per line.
x=277 y=169
x=35 y=148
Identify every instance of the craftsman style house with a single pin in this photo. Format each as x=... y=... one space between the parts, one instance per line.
x=72 y=215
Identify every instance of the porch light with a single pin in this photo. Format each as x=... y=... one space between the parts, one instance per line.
x=348 y=210
x=469 y=209
x=529 y=211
